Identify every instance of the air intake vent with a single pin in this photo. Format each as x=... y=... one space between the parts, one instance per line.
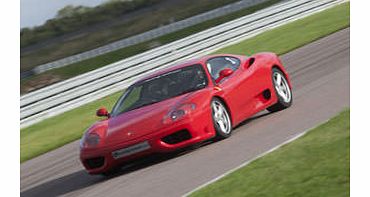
x=177 y=137
x=95 y=162
x=250 y=62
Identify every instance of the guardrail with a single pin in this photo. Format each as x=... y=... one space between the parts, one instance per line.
x=77 y=91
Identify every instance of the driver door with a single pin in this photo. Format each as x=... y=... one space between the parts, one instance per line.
x=237 y=89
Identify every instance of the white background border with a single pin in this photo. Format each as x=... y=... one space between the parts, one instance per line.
x=9 y=81
x=360 y=87
x=360 y=96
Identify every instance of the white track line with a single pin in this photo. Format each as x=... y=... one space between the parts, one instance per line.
x=245 y=163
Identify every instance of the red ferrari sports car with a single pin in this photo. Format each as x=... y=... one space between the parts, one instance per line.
x=184 y=105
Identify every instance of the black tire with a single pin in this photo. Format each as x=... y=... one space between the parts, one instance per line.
x=224 y=131
x=283 y=102
x=111 y=172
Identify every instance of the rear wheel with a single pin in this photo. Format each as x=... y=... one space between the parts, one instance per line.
x=282 y=90
x=221 y=119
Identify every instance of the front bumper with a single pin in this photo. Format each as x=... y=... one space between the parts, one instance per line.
x=166 y=140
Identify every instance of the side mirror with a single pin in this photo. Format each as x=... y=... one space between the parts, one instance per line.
x=102 y=112
x=224 y=73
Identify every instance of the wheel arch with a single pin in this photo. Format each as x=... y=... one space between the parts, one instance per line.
x=278 y=67
x=285 y=73
x=227 y=107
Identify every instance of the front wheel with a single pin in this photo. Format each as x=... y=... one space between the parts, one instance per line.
x=221 y=119
x=282 y=90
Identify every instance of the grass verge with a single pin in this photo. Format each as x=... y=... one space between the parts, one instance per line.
x=67 y=127
x=62 y=129
x=316 y=164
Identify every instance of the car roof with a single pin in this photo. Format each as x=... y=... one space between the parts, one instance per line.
x=191 y=62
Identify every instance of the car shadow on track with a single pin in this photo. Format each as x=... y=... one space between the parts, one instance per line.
x=255 y=117
x=63 y=185
x=80 y=179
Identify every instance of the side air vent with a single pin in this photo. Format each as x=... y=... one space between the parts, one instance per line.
x=177 y=137
x=250 y=62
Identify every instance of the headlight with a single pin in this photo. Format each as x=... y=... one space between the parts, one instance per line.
x=90 y=140
x=178 y=113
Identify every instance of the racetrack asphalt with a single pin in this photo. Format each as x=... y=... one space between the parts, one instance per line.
x=320 y=78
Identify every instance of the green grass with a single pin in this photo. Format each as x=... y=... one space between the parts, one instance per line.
x=62 y=129
x=296 y=34
x=316 y=164
x=114 y=56
x=59 y=130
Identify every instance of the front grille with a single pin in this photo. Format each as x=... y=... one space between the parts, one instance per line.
x=96 y=162
x=177 y=137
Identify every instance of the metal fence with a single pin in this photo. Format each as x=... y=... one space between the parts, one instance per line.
x=72 y=93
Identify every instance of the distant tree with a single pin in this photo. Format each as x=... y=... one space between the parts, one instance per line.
x=25 y=30
x=70 y=11
x=67 y=11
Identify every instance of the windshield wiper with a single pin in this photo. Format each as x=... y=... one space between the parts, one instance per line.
x=142 y=105
x=138 y=106
x=188 y=90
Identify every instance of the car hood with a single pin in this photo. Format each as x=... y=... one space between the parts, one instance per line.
x=140 y=122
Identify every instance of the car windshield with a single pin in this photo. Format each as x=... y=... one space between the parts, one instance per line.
x=162 y=87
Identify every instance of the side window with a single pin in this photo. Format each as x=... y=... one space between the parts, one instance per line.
x=216 y=64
